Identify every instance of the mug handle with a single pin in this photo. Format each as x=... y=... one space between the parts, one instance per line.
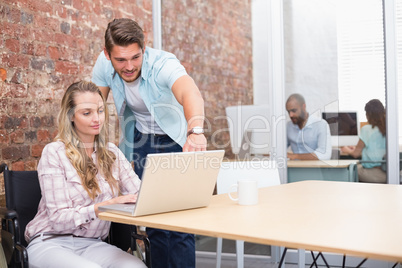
x=231 y=188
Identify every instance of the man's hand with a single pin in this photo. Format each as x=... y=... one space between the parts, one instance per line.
x=195 y=142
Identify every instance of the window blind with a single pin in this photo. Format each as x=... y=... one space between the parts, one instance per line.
x=360 y=54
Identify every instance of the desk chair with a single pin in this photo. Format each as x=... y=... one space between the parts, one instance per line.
x=265 y=172
x=23 y=194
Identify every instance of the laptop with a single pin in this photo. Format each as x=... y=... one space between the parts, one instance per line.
x=174 y=181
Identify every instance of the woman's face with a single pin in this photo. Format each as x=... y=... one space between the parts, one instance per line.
x=88 y=116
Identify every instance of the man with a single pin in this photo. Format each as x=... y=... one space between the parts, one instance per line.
x=160 y=109
x=309 y=137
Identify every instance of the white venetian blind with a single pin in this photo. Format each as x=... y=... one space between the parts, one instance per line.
x=360 y=54
x=399 y=59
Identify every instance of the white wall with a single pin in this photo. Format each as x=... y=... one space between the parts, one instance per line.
x=259 y=24
x=310 y=55
x=311 y=52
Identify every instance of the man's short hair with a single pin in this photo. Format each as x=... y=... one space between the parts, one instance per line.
x=123 y=32
x=299 y=98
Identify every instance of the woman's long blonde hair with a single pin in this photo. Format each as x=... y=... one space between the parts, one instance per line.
x=75 y=149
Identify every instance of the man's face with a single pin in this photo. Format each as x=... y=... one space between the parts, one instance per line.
x=296 y=111
x=127 y=61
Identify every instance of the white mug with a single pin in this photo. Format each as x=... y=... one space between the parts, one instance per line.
x=247 y=192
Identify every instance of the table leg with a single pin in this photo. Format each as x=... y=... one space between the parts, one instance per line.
x=302 y=258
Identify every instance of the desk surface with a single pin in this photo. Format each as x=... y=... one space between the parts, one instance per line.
x=349 y=218
x=341 y=163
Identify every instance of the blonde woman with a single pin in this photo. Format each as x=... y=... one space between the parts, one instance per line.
x=78 y=172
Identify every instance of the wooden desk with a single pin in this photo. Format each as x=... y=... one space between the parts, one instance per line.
x=356 y=219
x=328 y=170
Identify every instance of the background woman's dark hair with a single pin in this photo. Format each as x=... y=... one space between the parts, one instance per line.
x=375 y=113
x=123 y=32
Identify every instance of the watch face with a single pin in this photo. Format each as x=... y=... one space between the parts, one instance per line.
x=198 y=130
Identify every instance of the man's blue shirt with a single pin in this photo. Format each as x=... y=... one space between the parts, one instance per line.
x=314 y=138
x=159 y=72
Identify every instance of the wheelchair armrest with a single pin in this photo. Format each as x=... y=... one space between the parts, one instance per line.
x=147 y=244
x=7 y=214
x=23 y=257
x=3 y=166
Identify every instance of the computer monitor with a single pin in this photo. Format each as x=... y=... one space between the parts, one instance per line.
x=249 y=129
x=343 y=127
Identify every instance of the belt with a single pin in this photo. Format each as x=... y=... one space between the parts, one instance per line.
x=50 y=236
x=159 y=135
x=154 y=134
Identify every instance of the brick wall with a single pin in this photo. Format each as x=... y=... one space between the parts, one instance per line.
x=47 y=45
x=213 y=41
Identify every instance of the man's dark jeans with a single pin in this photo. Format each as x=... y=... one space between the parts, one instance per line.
x=168 y=249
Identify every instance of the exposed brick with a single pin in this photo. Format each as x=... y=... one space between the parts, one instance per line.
x=17 y=91
x=38 y=6
x=35 y=122
x=42 y=35
x=4 y=137
x=43 y=136
x=30 y=136
x=31 y=165
x=13 y=60
x=60 y=11
x=65 y=39
x=67 y=2
x=54 y=79
x=23 y=107
x=78 y=4
x=13 y=29
x=27 y=48
x=13 y=45
x=45 y=121
x=40 y=92
x=18 y=166
x=3 y=10
x=97 y=9
x=16 y=152
x=53 y=52
x=16 y=79
x=36 y=150
x=53 y=134
x=59 y=44
x=19 y=122
x=40 y=50
x=26 y=18
x=108 y=13
x=3 y=119
x=42 y=64
x=17 y=137
x=3 y=105
x=76 y=31
x=13 y=15
x=66 y=67
x=65 y=27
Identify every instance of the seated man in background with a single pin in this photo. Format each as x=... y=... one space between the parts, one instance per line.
x=309 y=137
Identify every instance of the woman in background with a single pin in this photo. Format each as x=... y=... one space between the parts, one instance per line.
x=371 y=146
x=79 y=172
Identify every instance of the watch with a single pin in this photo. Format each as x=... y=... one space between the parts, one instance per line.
x=195 y=130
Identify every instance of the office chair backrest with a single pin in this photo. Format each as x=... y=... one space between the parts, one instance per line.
x=22 y=195
x=265 y=172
